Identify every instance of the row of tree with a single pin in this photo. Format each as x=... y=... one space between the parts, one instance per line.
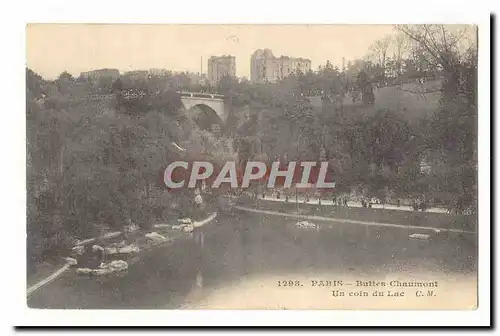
x=380 y=150
x=90 y=165
x=97 y=165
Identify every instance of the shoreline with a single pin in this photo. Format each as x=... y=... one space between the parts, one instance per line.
x=342 y=220
x=360 y=215
x=61 y=270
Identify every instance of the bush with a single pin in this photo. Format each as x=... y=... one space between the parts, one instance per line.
x=58 y=244
x=57 y=103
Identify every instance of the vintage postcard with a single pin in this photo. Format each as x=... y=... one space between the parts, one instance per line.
x=252 y=166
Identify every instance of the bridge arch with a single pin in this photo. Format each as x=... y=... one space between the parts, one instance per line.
x=214 y=101
x=206 y=117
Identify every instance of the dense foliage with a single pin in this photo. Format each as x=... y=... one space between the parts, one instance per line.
x=95 y=165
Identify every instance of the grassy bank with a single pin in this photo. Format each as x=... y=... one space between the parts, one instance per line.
x=411 y=218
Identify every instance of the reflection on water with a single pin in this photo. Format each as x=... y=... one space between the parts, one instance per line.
x=199 y=238
x=247 y=253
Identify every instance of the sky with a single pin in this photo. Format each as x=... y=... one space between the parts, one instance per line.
x=54 y=48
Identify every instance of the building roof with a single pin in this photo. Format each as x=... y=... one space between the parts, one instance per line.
x=302 y=59
x=100 y=70
x=268 y=54
x=136 y=72
x=223 y=56
x=263 y=53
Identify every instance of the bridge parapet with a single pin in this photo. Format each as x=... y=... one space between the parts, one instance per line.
x=213 y=101
x=201 y=95
x=101 y=97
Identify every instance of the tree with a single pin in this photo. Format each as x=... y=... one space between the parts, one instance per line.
x=441 y=47
x=400 y=45
x=364 y=85
x=34 y=83
x=105 y=84
x=328 y=65
x=168 y=102
x=328 y=80
x=453 y=129
x=226 y=85
x=84 y=167
x=117 y=85
x=65 y=76
x=379 y=50
x=64 y=83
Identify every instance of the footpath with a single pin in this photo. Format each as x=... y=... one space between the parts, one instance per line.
x=329 y=202
x=359 y=215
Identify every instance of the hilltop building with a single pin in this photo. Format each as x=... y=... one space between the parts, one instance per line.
x=158 y=72
x=136 y=75
x=265 y=67
x=220 y=66
x=101 y=73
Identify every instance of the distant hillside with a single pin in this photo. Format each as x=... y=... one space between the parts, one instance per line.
x=414 y=100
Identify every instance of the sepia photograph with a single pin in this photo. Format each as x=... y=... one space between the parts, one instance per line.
x=252 y=166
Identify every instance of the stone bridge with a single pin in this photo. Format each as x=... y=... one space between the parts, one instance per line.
x=207 y=106
x=210 y=103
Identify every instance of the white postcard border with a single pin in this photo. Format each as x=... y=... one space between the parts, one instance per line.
x=14 y=149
